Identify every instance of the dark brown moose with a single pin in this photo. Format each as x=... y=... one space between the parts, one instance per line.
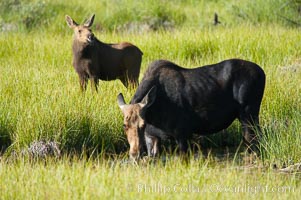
x=177 y=102
x=94 y=60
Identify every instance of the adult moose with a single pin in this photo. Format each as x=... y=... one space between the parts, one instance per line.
x=94 y=60
x=179 y=102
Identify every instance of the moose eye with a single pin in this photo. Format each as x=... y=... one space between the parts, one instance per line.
x=124 y=126
x=79 y=31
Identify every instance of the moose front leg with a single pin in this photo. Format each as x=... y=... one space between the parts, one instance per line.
x=183 y=146
x=153 y=145
x=183 y=149
x=94 y=83
x=83 y=82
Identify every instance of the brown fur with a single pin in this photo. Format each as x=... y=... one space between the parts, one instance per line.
x=94 y=60
x=132 y=122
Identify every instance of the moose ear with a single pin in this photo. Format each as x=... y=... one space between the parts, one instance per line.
x=120 y=101
x=148 y=100
x=90 y=21
x=70 y=22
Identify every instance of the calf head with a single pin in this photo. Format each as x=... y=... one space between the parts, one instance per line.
x=133 y=122
x=82 y=33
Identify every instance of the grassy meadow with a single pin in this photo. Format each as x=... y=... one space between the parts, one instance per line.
x=40 y=99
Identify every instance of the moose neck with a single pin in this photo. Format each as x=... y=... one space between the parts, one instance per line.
x=79 y=48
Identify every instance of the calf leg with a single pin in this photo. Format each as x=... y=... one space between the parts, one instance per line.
x=94 y=83
x=133 y=82
x=83 y=80
x=129 y=81
x=124 y=81
x=133 y=78
x=133 y=71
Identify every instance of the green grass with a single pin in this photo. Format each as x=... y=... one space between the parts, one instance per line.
x=40 y=99
x=78 y=179
x=115 y=15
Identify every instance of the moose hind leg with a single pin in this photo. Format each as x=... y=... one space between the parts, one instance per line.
x=250 y=127
x=133 y=77
x=133 y=82
x=130 y=79
x=124 y=81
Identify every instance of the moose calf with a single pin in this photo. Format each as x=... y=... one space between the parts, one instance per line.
x=94 y=60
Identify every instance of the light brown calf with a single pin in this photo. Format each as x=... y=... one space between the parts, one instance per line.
x=94 y=60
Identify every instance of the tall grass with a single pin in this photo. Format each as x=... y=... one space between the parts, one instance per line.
x=40 y=90
x=40 y=99
x=100 y=180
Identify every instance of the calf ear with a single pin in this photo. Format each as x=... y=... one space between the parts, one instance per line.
x=120 y=101
x=148 y=100
x=70 y=22
x=90 y=21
